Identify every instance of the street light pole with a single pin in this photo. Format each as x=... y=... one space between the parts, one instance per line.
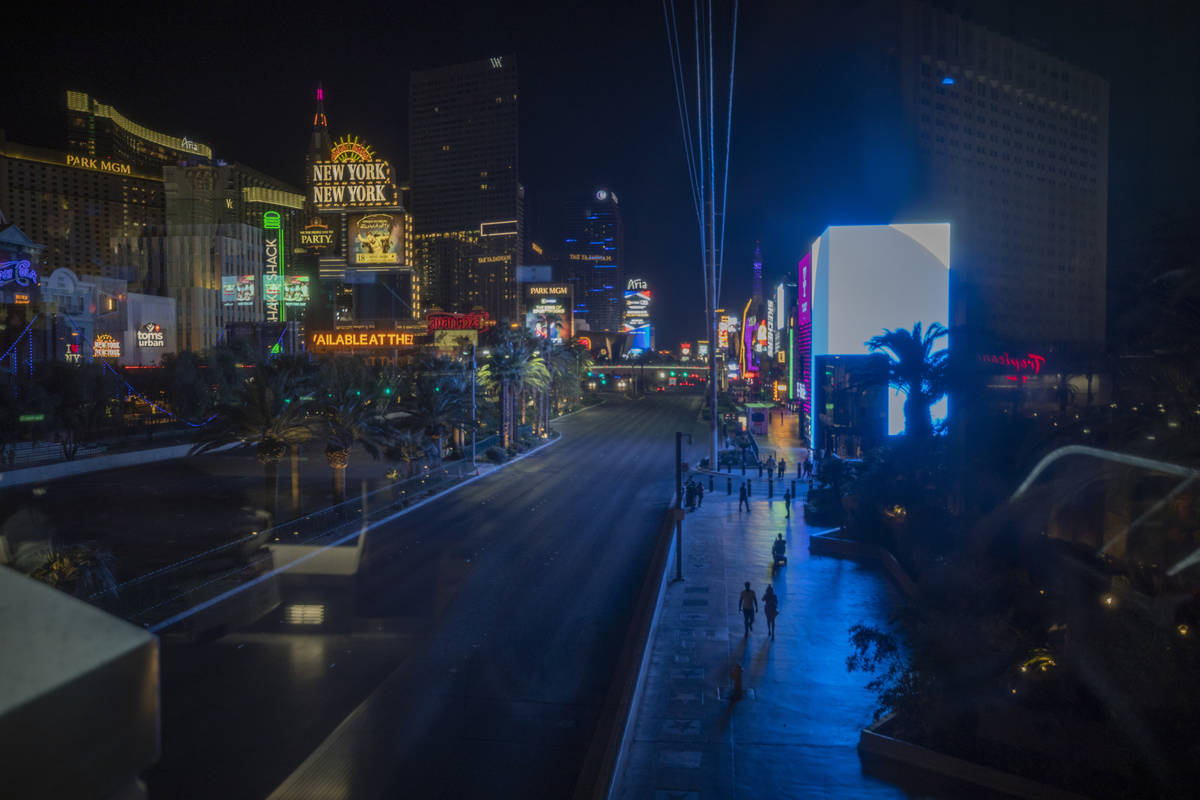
x=474 y=424
x=679 y=502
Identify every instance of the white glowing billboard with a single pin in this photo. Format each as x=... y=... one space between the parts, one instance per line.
x=866 y=278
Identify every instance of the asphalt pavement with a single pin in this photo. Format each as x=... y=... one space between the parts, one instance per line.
x=462 y=650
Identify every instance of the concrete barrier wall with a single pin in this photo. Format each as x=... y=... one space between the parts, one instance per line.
x=65 y=469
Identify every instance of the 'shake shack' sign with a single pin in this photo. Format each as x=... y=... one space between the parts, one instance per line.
x=350 y=340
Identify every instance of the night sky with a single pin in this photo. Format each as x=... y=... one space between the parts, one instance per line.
x=597 y=105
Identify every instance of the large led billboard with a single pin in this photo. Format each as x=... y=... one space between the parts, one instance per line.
x=548 y=310
x=377 y=239
x=636 y=319
x=866 y=278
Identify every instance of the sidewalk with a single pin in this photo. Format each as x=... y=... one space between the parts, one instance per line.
x=795 y=731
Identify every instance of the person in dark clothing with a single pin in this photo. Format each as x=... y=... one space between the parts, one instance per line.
x=699 y=494
x=748 y=604
x=760 y=469
x=782 y=467
x=749 y=489
x=771 y=609
x=743 y=498
x=787 y=503
x=689 y=494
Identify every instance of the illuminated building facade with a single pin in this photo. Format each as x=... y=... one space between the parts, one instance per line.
x=356 y=237
x=467 y=200
x=593 y=260
x=213 y=234
x=78 y=207
x=99 y=131
x=1013 y=151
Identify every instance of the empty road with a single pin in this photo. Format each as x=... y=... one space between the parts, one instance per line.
x=462 y=650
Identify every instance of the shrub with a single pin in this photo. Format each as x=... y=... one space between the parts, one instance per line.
x=496 y=455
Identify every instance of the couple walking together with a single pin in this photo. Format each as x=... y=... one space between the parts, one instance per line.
x=749 y=606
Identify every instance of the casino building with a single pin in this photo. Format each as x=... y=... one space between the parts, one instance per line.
x=160 y=215
x=97 y=131
x=356 y=232
x=77 y=206
x=468 y=204
x=593 y=260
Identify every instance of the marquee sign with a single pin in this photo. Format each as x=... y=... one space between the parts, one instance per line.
x=346 y=340
x=351 y=184
x=18 y=272
x=105 y=346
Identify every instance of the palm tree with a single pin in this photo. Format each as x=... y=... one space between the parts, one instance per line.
x=916 y=370
x=262 y=415
x=297 y=376
x=346 y=419
x=514 y=367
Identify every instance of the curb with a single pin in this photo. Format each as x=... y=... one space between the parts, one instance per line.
x=605 y=760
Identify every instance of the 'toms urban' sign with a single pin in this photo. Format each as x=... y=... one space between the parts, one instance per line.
x=150 y=334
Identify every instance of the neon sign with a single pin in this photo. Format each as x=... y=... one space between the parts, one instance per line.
x=105 y=346
x=365 y=339
x=1028 y=365
x=341 y=184
x=273 y=270
x=584 y=342
x=349 y=148
x=19 y=272
x=459 y=322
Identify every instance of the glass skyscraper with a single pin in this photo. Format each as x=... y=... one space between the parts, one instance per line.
x=593 y=260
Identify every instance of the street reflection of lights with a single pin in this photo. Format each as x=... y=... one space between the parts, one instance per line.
x=1151 y=437
x=1172 y=424
x=304 y=614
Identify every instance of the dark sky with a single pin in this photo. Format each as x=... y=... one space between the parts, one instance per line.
x=597 y=105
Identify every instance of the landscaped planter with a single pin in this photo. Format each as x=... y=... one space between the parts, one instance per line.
x=830 y=544
x=875 y=741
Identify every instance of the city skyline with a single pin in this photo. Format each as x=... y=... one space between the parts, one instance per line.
x=260 y=118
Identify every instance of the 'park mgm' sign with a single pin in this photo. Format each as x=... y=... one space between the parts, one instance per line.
x=351 y=184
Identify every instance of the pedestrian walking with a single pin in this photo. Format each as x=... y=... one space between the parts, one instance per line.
x=743 y=498
x=748 y=603
x=808 y=470
x=770 y=466
x=690 y=495
x=699 y=495
x=787 y=503
x=760 y=468
x=782 y=467
x=770 y=609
